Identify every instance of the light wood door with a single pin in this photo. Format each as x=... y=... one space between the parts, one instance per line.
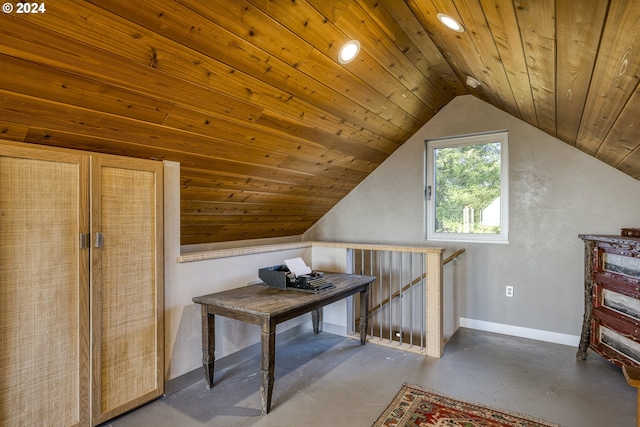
x=44 y=296
x=127 y=284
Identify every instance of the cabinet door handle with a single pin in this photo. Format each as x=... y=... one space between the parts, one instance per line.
x=84 y=240
x=98 y=240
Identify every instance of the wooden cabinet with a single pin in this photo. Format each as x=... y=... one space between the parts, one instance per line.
x=81 y=286
x=611 y=325
x=44 y=288
x=126 y=285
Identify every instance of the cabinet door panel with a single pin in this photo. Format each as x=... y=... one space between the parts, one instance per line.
x=127 y=285
x=44 y=344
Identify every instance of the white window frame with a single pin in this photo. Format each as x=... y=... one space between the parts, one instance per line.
x=430 y=145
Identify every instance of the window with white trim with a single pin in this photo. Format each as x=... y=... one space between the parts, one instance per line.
x=467 y=188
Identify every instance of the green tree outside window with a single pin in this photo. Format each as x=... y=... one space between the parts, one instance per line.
x=467 y=182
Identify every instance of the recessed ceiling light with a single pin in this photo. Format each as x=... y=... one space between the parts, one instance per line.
x=450 y=22
x=349 y=51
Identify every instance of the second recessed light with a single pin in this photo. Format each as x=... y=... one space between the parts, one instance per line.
x=450 y=22
x=349 y=51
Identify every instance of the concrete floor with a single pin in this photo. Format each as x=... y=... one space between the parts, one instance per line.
x=328 y=380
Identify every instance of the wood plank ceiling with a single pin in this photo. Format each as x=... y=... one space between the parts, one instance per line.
x=270 y=130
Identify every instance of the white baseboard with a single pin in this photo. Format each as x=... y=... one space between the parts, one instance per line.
x=518 y=331
x=334 y=329
x=183 y=381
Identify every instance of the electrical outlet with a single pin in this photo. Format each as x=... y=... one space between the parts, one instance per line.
x=509 y=292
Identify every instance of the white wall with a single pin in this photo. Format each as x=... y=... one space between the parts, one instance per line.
x=556 y=193
x=334 y=316
x=183 y=281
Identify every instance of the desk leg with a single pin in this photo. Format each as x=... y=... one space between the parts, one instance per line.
x=364 y=315
x=208 y=344
x=316 y=318
x=267 y=364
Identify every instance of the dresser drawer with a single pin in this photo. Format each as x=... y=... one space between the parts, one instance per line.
x=615 y=340
x=625 y=285
x=617 y=304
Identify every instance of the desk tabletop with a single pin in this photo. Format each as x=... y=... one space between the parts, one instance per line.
x=264 y=301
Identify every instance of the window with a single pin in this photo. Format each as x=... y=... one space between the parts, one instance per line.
x=466 y=192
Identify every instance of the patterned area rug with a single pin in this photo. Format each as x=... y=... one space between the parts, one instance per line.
x=415 y=407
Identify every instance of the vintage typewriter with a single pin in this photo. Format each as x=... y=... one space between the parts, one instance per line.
x=314 y=282
x=294 y=277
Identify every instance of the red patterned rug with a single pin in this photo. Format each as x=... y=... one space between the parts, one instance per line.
x=415 y=407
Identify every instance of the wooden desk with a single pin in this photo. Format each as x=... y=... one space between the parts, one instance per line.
x=265 y=306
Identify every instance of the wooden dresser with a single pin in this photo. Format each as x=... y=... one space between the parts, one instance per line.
x=611 y=324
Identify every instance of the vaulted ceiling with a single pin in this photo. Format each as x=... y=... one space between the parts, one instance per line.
x=270 y=130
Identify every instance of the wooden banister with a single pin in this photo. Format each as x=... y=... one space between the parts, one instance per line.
x=396 y=294
x=453 y=257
